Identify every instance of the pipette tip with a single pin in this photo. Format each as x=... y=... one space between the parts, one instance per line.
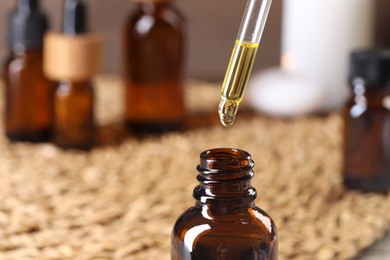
x=227 y=112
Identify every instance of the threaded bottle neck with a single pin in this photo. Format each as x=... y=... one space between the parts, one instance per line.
x=225 y=176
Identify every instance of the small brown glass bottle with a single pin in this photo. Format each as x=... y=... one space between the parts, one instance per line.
x=154 y=67
x=224 y=223
x=28 y=94
x=73 y=59
x=367 y=123
x=74 y=118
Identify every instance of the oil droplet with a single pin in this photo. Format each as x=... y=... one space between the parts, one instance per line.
x=227 y=112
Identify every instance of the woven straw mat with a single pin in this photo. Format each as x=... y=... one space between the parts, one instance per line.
x=121 y=201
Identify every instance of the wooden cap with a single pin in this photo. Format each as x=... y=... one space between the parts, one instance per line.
x=72 y=57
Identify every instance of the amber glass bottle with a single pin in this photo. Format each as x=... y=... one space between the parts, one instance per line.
x=367 y=123
x=224 y=223
x=154 y=67
x=28 y=94
x=74 y=125
x=74 y=118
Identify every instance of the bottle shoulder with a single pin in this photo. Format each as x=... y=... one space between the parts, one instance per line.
x=23 y=61
x=164 y=17
x=264 y=220
x=69 y=87
x=358 y=106
x=251 y=233
x=251 y=220
x=24 y=67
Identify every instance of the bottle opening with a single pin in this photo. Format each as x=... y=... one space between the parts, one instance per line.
x=225 y=174
x=225 y=163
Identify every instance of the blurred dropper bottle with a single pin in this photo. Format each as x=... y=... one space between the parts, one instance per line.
x=73 y=59
x=154 y=47
x=366 y=132
x=28 y=94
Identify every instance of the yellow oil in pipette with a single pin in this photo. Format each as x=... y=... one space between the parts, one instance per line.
x=236 y=80
x=242 y=59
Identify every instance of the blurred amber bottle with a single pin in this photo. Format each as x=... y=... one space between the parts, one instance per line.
x=74 y=115
x=154 y=46
x=224 y=223
x=73 y=59
x=367 y=123
x=28 y=94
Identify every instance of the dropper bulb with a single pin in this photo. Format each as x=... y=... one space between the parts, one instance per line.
x=75 y=17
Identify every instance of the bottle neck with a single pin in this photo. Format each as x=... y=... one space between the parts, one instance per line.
x=36 y=54
x=76 y=83
x=225 y=180
x=27 y=4
x=27 y=26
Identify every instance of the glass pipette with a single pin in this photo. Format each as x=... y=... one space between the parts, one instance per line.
x=242 y=59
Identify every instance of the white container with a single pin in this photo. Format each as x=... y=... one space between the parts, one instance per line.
x=317 y=38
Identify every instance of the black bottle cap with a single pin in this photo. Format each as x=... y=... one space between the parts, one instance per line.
x=75 y=17
x=372 y=66
x=26 y=26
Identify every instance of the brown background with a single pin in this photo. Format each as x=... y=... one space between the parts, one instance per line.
x=212 y=27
